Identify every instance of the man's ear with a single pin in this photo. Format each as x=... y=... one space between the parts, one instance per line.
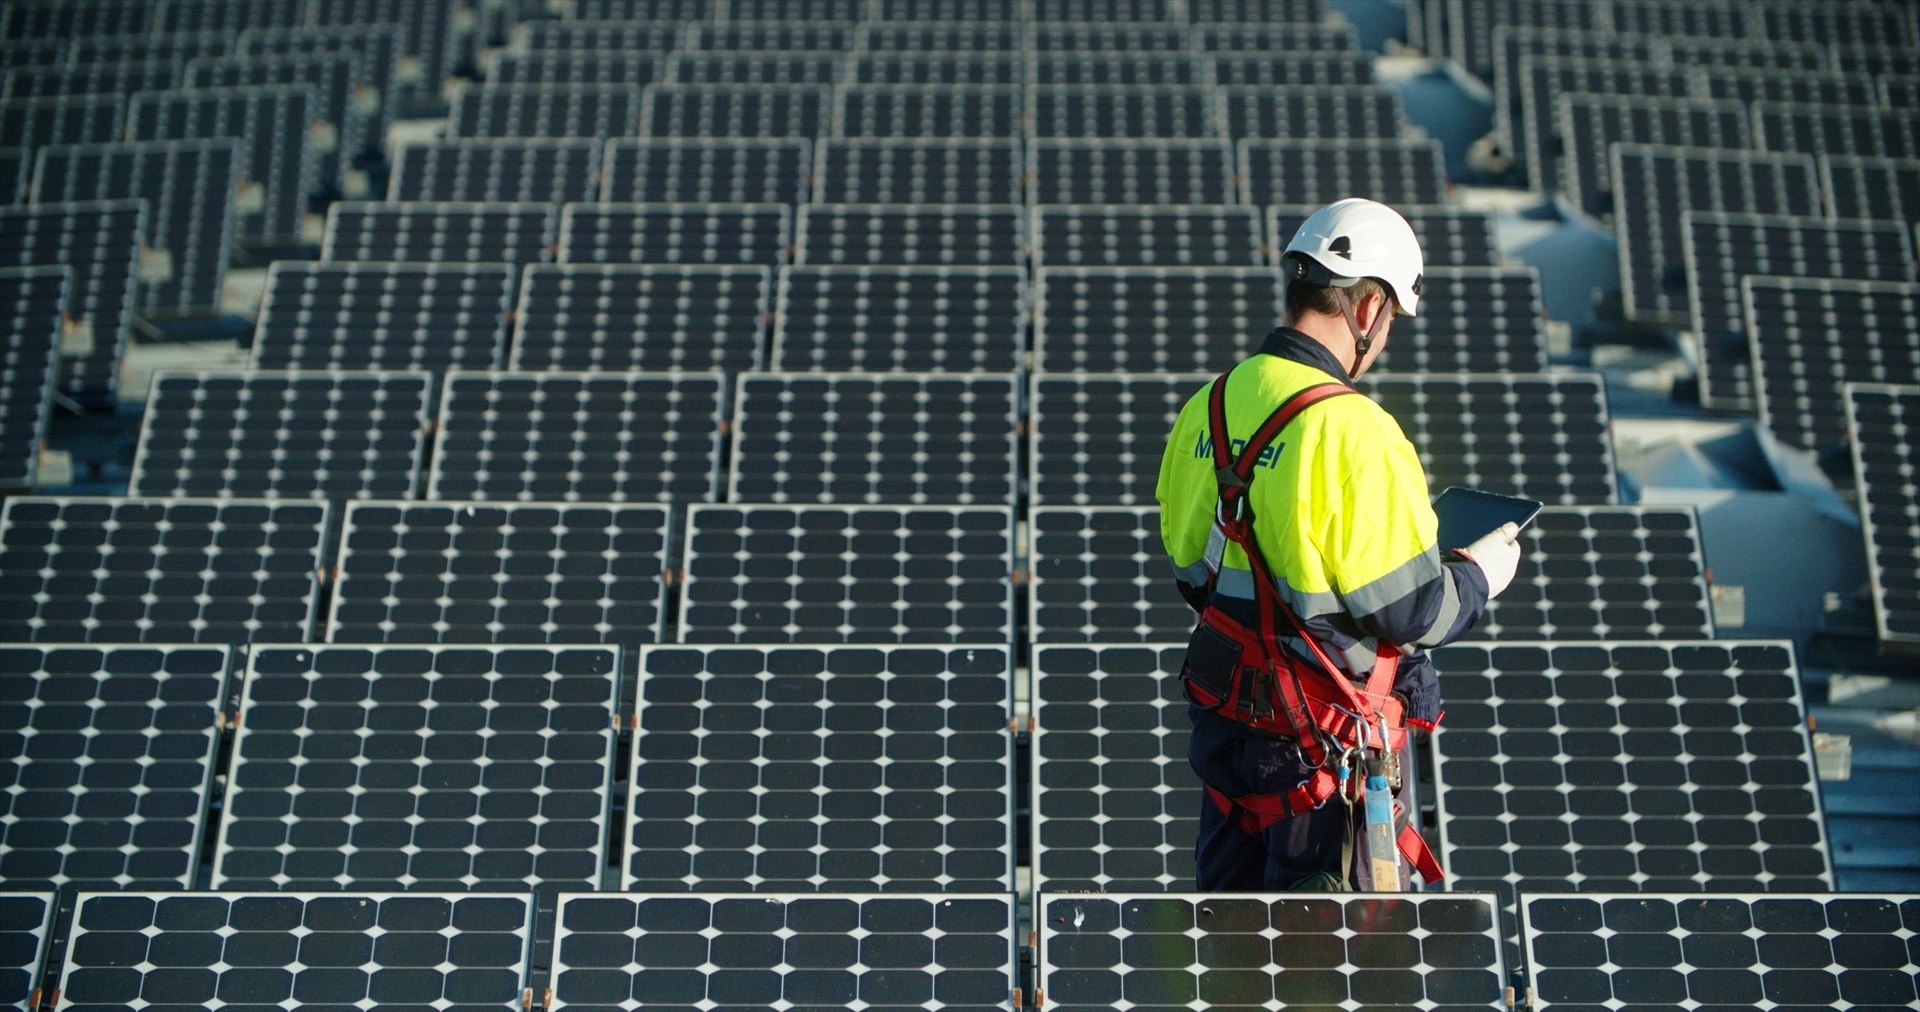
x=1369 y=308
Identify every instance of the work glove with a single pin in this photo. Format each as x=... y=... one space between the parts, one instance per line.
x=1497 y=553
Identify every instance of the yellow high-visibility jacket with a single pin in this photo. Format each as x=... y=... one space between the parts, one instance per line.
x=1341 y=512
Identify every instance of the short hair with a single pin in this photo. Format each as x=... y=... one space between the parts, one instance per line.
x=1304 y=298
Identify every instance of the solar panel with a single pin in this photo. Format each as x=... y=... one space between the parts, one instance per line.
x=900 y=319
x=1512 y=43
x=847 y=574
x=34 y=19
x=623 y=32
x=1312 y=111
x=1836 y=130
x=1143 y=111
x=1475 y=25
x=959 y=170
x=261 y=435
x=62 y=119
x=16 y=165
x=1654 y=186
x=452 y=232
x=1605 y=572
x=1718 y=19
x=1491 y=430
x=98 y=241
x=419 y=316
x=1883 y=429
x=1119 y=69
x=909 y=234
x=111 y=760
x=1145 y=235
x=1747 y=84
x=427 y=44
x=144 y=45
x=756 y=234
x=440 y=572
x=1833 y=950
x=1589 y=124
x=708 y=170
x=226 y=15
x=1449 y=236
x=32 y=303
x=344 y=127
x=616 y=317
x=1271 y=37
x=123 y=78
x=759 y=67
x=1811 y=336
x=1099 y=574
x=875 y=438
x=535 y=170
x=1098 y=438
x=189 y=190
x=823 y=769
x=1292 y=70
x=1306 y=171
x=306 y=949
x=1183 y=950
x=938 y=951
x=1472 y=319
x=26 y=926
x=1151 y=319
x=1838 y=22
x=929 y=110
x=579 y=437
x=374 y=50
x=545 y=110
x=1114 y=798
x=272 y=122
x=576 y=66
x=734 y=110
x=772 y=36
x=1543 y=80
x=1131 y=171
x=331 y=789
x=1667 y=766
x=1721 y=248
x=946 y=67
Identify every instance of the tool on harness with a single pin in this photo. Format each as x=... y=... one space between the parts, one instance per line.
x=1382 y=857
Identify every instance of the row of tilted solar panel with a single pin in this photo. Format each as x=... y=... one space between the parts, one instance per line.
x=233 y=571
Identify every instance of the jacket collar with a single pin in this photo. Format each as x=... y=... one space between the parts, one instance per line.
x=1294 y=346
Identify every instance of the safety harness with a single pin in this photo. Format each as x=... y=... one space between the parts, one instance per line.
x=1273 y=691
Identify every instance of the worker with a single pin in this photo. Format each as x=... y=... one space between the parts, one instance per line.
x=1349 y=588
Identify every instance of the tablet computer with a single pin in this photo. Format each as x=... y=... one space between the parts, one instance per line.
x=1468 y=513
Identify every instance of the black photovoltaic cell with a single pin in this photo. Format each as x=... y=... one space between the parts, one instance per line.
x=1655 y=186
x=1821 y=950
x=961 y=170
x=655 y=234
x=333 y=78
x=1280 y=37
x=1292 y=69
x=545 y=110
x=501 y=573
x=543 y=170
x=1900 y=91
x=898 y=111
x=911 y=234
x=822 y=769
x=1139 y=111
x=395 y=951
x=440 y=232
x=1190 y=950
x=1836 y=130
x=26 y=925
x=1138 y=69
x=1098 y=439
x=1626 y=767
x=189 y=190
x=1100 y=575
x=1589 y=124
x=868 y=574
x=425 y=316
x=937 y=67
x=715 y=170
x=1885 y=189
x=875 y=438
x=614 y=953
x=1472 y=319
x=758 y=67
x=1140 y=236
x=576 y=66
x=123 y=78
x=278 y=435
x=734 y=110
x=1131 y=171
x=1605 y=572
x=1115 y=801
x=617 y=317
x=1811 y=336
x=272 y=122
x=16 y=165
x=98 y=241
x=1320 y=111
x=1449 y=236
x=911 y=28
x=62 y=119
x=1722 y=248
x=1775 y=85
x=112 y=752
x=33 y=52
x=1883 y=428
x=1304 y=171
x=32 y=300
x=1151 y=319
x=420 y=768
x=1869 y=57
x=579 y=437
x=159 y=570
x=900 y=319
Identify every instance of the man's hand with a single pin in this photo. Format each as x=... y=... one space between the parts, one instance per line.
x=1497 y=553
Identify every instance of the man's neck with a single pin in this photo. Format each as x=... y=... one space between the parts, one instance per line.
x=1331 y=333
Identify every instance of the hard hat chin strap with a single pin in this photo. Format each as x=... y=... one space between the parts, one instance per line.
x=1361 y=342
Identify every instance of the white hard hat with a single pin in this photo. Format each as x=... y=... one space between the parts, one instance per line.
x=1358 y=238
